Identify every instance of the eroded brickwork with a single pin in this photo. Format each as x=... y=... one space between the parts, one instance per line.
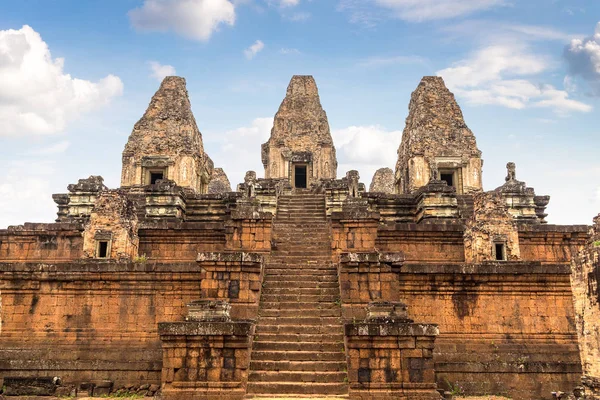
x=383 y=181
x=491 y=234
x=585 y=278
x=219 y=182
x=113 y=224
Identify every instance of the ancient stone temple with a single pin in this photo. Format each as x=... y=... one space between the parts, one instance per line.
x=437 y=141
x=300 y=148
x=299 y=283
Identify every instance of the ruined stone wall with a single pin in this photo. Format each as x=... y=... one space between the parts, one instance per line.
x=85 y=321
x=41 y=242
x=90 y=321
x=436 y=135
x=167 y=138
x=585 y=280
x=300 y=134
x=423 y=242
x=181 y=245
x=501 y=331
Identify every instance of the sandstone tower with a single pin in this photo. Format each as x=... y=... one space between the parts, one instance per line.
x=300 y=147
x=437 y=139
x=166 y=143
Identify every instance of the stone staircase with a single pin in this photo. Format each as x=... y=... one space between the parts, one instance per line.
x=298 y=347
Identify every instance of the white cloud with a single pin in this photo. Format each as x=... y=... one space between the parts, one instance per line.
x=253 y=50
x=366 y=149
x=159 y=71
x=583 y=57
x=193 y=19
x=376 y=62
x=289 y=3
x=423 y=10
x=238 y=150
x=299 y=16
x=24 y=193
x=286 y=51
x=36 y=95
x=497 y=74
x=56 y=148
x=415 y=10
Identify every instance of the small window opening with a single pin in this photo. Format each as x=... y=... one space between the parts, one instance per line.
x=154 y=176
x=500 y=251
x=448 y=177
x=102 y=249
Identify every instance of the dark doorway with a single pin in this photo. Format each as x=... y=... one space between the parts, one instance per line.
x=154 y=176
x=300 y=176
x=449 y=178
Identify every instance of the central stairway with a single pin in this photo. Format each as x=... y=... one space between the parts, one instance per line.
x=298 y=346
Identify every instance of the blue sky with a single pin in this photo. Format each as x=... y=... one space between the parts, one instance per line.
x=76 y=75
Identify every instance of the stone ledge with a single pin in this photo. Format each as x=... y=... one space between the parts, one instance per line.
x=371 y=257
x=488 y=268
x=390 y=329
x=230 y=256
x=236 y=328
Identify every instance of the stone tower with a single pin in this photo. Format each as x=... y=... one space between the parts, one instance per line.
x=166 y=143
x=436 y=141
x=300 y=147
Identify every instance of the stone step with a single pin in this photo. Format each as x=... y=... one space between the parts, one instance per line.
x=304 y=338
x=275 y=270
x=302 y=291
x=256 y=365
x=300 y=277
x=308 y=253
x=270 y=355
x=286 y=297
x=297 y=376
x=297 y=346
x=299 y=329
x=323 y=265
x=305 y=321
x=332 y=312
x=296 y=305
x=306 y=284
x=299 y=388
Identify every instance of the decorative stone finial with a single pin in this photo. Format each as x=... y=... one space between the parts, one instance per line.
x=435 y=172
x=511 y=172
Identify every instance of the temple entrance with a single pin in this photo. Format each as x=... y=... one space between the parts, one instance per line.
x=300 y=176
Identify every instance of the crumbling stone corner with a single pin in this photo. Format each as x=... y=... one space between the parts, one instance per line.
x=112 y=230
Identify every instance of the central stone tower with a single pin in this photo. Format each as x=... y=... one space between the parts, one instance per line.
x=300 y=147
x=437 y=141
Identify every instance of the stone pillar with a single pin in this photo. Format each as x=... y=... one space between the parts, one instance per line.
x=207 y=356
x=436 y=200
x=235 y=277
x=389 y=356
x=366 y=277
